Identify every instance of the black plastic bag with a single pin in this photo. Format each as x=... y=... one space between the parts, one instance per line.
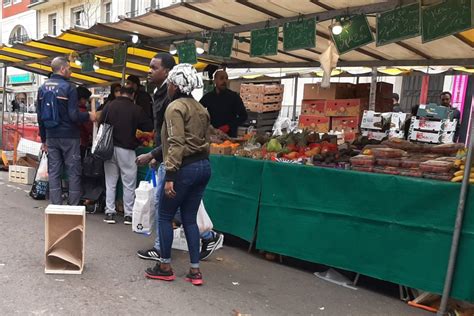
x=103 y=147
x=92 y=167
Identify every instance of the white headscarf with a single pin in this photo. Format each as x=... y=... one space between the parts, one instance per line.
x=185 y=77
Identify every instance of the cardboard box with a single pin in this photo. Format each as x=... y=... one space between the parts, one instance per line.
x=260 y=107
x=345 y=123
x=262 y=98
x=316 y=123
x=64 y=239
x=427 y=125
x=376 y=121
x=350 y=136
x=248 y=88
x=434 y=111
x=398 y=121
x=346 y=107
x=396 y=134
x=432 y=137
x=383 y=90
x=220 y=150
x=313 y=107
x=21 y=174
x=335 y=91
x=377 y=135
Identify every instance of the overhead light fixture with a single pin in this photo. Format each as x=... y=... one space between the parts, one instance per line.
x=78 y=61
x=173 y=49
x=96 y=64
x=336 y=28
x=200 y=48
x=135 y=39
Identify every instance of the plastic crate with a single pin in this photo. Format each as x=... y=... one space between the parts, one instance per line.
x=22 y=175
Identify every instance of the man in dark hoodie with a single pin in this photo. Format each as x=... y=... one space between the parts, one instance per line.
x=59 y=118
x=142 y=98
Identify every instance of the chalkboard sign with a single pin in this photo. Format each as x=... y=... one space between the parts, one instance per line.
x=398 y=24
x=221 y=44
x=264 y=42
x=299 y=34
x=355 y=33
x=87 y=61
x=446 y=18
x=187 y=53
x=120 y=56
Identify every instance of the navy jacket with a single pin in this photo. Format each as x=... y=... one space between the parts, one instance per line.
x=69 y=114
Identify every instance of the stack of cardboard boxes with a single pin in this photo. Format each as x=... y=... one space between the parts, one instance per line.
x=340 y=107
x=378 y=126
x=433 y=124
x=262 y=98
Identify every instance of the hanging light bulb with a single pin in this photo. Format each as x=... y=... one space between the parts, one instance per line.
x=173 y=49
x=78 y=61
x=135 y=39
x=96 y=64
x=336 y=28
x=200 y=48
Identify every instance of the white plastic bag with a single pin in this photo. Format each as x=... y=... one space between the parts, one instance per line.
x=42 y=173
x=203 y=220
x=143 y=217
x=179 y=239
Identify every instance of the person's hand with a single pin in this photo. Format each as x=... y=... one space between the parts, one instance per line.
x=169 y=190
x=144 y=159
x=225 y=128
x=44 y=147
x=153 y=164
x=92 y=116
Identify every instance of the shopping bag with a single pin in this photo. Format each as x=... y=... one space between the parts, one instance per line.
x=39 y=189
x=203 y=220
x=179 y=239
x=92 y=167
x=143 y=218
x=103 y=146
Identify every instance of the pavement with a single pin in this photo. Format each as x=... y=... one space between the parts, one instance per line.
x=113 y=281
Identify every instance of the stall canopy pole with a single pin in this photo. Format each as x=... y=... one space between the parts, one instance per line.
x=458 y=225
x=4 y=104
x=124 y=70
x=373 y=89
x=295 y=98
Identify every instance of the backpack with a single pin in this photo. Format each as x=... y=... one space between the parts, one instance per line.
x=49 y=109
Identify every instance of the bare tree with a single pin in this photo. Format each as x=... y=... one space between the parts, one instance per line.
x=92 y=10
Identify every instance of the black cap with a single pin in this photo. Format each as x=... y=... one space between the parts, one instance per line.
x=396 y=96
x=134 y=79
x=83 y=92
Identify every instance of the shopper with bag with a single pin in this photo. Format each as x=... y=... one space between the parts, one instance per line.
x=59 y=118
x=125 y=117
x=186 y=157
x=160 y=66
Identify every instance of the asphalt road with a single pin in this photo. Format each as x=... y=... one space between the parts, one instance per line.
x=113 y=281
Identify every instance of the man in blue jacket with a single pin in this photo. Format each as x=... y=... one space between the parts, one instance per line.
x=59 y=119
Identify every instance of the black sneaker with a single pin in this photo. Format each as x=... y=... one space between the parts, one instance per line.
x=158 y=274
x=127 y=220
x=210 y=245
x=194 y=278
x=150 y=254
x=110 y=218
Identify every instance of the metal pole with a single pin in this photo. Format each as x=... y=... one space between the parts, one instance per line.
x=295 y=98
x=4 y=104
x=458 y=224
x=124 y=70
x=373 y=89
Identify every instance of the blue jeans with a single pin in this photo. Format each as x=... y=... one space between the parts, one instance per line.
x=190 y=183
x=160 y=184
x=64 y=152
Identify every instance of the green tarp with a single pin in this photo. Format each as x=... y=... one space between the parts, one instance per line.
x=397 y=229
x=233 y=194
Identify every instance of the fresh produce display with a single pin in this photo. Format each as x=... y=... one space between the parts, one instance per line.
x=225 y=148
x=460 y=163
x=146 y=139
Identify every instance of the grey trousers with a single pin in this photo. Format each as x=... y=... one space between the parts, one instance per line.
x=122 y=164
x=64 y=152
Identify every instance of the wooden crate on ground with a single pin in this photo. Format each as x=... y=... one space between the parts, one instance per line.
x=64 y=239
x=21 y=174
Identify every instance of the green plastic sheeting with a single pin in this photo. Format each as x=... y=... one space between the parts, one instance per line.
x=232 y=195
x=397 y=229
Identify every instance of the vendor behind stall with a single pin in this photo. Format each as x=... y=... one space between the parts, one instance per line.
x=445 y=98
x=225 y=107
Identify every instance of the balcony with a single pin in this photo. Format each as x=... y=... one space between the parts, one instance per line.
x=132 y=14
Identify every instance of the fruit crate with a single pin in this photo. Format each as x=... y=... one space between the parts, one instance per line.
x=316 y=123
x=313 y=107
x=262 y=98
x=346 y=107
x=261 y=89
x=261 y=107
x=345 y=123
x=21 y=174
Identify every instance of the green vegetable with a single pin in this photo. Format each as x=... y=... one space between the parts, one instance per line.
x=274 y=146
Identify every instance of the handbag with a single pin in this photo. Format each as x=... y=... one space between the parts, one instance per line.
x=103 y=146
x=92 y=167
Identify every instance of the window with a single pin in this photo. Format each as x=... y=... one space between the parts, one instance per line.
x=108 y=12
x=18 y=34
x=7 y=3
x=133 y=9
x=77 y=16
x=52 y=24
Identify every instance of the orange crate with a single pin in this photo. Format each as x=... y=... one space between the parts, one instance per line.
x=346 y=107
x=262 y=98
x=345 y=123
x=261 y=107
x=261 y=88
x=316 y=123
x=313 y=107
